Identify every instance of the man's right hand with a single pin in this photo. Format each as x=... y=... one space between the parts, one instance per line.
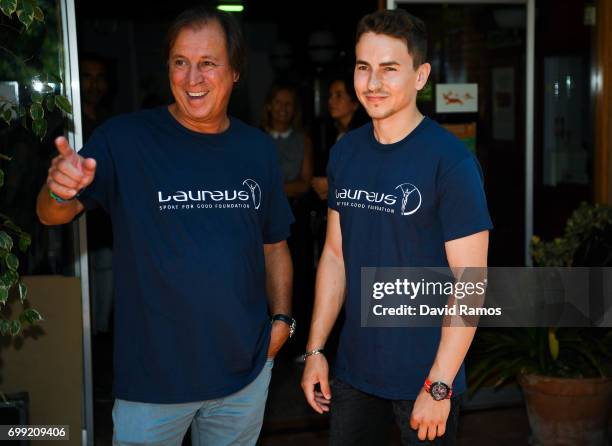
x=69 y=172
x=316 y=371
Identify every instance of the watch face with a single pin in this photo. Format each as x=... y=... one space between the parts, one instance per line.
x=439 y=391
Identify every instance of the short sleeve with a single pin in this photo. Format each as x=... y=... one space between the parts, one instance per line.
x=278 y=216
x=331 y=180
x=462 y=205
x=100 y=191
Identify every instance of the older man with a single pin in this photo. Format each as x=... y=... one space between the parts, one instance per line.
x=200 y=221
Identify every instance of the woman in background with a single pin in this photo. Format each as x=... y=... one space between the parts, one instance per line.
x=281 y=120
x=347 y=114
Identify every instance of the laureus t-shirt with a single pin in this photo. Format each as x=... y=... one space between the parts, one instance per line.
x=398 y=204
x=190 y=214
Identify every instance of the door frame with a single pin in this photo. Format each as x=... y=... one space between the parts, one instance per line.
x=529 y=99
x=75 y=137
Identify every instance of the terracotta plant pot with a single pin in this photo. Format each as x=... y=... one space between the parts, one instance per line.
x=567 y=412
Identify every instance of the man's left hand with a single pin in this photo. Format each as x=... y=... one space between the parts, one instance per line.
x=429 y=416
x=279 y=335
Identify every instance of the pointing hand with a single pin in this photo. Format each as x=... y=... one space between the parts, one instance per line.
x=69 y=172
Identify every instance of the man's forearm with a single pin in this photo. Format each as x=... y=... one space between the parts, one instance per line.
x=50 y=212
x=470 y=251
x=279 y=277
x=329 y=297
x=454 y=345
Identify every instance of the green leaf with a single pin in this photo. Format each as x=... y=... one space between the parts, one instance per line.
x=6 y=242
x=9 y=278
x=39 y=127
x=5 y=327
x=4 y=294
x=8 y=7
x=50 y=102
x=30 y=316
x=23 y=291
x=36 y=97
x=12 y=226
x=15 y=328
x=36 y=111
x=7 y=115
x=27 y=6
x=39 y=14
x=24 y=242
x=63 y=103
x=12 y=262
x=25 y=17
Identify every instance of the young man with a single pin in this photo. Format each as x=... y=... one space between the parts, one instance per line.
x=434 y=214
x=200 y=221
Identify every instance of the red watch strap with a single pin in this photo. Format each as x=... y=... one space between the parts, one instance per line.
x=428 y=384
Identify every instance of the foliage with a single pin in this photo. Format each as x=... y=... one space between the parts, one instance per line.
x=560 y=352
x=36 y=70
x=20 y=21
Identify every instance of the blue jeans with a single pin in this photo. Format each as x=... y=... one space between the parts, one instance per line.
x=232 y=420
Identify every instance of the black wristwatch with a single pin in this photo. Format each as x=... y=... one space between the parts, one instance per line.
x=287 y=320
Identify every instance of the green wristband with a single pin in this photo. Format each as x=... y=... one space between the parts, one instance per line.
x=62 y=200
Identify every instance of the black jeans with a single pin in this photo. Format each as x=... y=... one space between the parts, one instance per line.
x=358 y=418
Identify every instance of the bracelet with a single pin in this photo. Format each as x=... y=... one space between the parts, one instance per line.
x=60 y=199
x=316 y=351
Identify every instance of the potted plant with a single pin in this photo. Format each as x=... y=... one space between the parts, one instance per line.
x=565 y=373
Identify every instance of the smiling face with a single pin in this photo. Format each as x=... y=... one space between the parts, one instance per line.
x=201 y=78
x=282 y=109
x=386 y=81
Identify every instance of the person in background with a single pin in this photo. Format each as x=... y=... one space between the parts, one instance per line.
x=96 y=94
x=347 y=114
x=95 y=91
x=282 y=121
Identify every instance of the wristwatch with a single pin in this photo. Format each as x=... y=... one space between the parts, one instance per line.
x=287 y=320
x=438 y=390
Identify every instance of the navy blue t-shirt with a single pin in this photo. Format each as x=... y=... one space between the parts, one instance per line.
x=398 y=204
x=190 y=214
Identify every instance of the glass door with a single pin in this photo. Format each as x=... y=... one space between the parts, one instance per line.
x=47 y=363
x=477 y=90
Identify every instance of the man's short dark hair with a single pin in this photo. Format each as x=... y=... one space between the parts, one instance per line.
x=199 y=16
x=400 y=24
